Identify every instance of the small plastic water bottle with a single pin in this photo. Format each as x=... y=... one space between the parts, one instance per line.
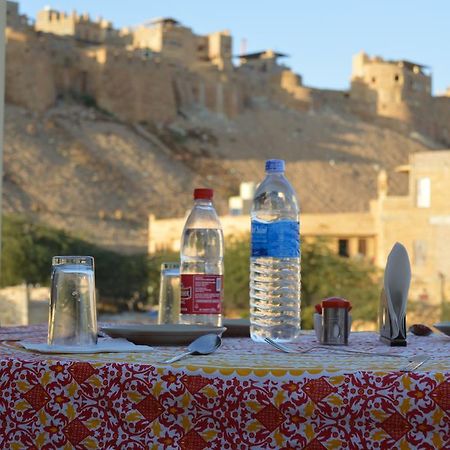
x=275 y=258
x=201 y=270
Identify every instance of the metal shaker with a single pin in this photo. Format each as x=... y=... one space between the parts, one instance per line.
x=335 y=321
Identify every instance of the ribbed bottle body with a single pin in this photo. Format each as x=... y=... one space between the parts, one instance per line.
x=275 y=261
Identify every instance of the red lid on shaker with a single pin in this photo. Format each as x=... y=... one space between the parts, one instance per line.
x=203 y=193
x=318 y=308
x=336 y=302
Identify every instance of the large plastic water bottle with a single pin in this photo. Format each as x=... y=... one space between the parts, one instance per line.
x=275 y=258
x=201 y=269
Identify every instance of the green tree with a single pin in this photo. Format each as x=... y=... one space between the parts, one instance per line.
x=129 y=281
x=325 y=274
x=121 y=280
x=236 y=279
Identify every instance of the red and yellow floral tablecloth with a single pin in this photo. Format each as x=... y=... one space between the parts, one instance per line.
x=244 y=396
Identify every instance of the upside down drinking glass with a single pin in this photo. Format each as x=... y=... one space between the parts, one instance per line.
x=73 y=315
x=169 y=293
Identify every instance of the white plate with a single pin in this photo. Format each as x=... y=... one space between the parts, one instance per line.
x=167 y=334
x=443 y=327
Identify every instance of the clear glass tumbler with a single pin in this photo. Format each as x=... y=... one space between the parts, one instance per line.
x=169 y=293
x=73 y=314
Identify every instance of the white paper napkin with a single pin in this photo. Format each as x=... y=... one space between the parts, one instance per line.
x=103 y=346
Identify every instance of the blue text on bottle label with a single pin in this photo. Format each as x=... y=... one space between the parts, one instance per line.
x=276 y=240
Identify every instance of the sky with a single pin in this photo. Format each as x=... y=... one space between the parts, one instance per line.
x=320 y=36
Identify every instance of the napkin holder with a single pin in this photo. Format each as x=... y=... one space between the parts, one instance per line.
x=386 y=329
x=393 y=299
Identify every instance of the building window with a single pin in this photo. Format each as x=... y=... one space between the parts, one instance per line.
x=362 y=247
x=423 y=192
x=343 y=247
x=396 y=78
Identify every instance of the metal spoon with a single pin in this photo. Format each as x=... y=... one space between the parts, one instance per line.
x=204 y=345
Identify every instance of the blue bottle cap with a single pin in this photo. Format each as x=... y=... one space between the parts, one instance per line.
x=274 y=166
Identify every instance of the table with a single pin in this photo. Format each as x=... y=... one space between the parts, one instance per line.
x=246 y=395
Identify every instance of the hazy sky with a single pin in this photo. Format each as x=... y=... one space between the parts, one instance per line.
x=319 y=35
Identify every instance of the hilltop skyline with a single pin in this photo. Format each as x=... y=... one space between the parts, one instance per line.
x=410 y=33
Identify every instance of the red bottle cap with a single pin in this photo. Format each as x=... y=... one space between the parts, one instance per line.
x=336 y=302
x=203 y=193
x=318 y=308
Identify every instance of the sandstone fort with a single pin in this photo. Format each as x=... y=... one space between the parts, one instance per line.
x=157 y=70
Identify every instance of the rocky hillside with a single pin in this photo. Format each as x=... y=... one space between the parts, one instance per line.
x=80 y=169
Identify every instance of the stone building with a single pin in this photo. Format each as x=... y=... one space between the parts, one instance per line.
x=167 y=37
x=170 y=39
x=220 y=49
x=394 y=86
x=78 y=26
x=400 y=90
x=419 y=220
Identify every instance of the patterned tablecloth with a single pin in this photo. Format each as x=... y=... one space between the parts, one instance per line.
x=245 y=395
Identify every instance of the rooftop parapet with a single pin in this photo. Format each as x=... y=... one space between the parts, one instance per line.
x=362 y=60
x=55 y=16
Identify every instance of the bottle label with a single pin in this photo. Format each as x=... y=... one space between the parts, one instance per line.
x=276 y=239
x=201 y=294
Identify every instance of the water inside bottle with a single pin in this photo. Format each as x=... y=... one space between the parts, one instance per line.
x=275 y=262
x=202 y=253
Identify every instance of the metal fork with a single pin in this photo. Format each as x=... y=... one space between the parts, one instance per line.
x=285 y=349
x=415 y=363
